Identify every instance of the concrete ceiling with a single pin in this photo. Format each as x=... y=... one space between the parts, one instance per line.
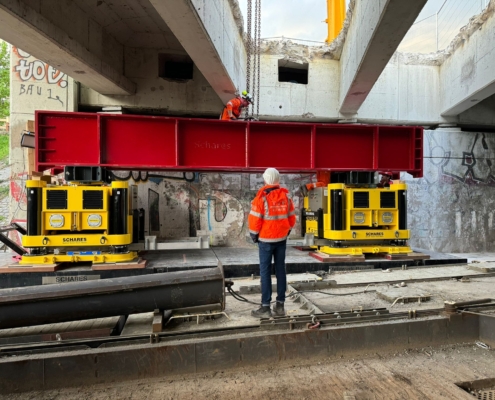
x=133 y=23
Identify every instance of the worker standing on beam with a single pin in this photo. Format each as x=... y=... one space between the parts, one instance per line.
x=270 y=221
x=234 y=107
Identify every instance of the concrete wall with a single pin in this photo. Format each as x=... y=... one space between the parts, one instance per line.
x=162 y=96
x=452 y=208
x=34 y=86
x=298 y=102
x=215 y=203
x=404 y=94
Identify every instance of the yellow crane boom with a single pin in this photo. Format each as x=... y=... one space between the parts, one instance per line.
x=335 y=18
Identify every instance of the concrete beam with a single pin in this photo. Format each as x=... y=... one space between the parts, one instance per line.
x=183 y=19
x=31 y=31
x=467 y=77
x=377 y=28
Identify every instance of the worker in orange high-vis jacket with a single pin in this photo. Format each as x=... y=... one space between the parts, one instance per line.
x=234 y=107
x=270 y=221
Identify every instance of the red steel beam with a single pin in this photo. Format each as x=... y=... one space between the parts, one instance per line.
x=133 y=142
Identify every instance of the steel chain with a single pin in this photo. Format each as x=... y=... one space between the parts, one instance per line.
x=255 y=55
x=254 y=52
x=258 y=52
x=249 y=52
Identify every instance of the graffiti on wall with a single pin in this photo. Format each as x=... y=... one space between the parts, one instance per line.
x=181 y=204
x=34 y=74
x=459 y=157
x=144 y=176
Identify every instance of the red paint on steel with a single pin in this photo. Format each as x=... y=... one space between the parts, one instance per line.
x=216 y=144
x=146 y=141
x=343 y=147
x=285 y=145
x=165 y=143
x=61 y=139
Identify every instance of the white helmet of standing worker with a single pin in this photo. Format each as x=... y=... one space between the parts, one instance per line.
x=271 y=176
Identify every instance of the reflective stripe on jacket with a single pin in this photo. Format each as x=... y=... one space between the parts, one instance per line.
x=272 y=214
x=235 y=106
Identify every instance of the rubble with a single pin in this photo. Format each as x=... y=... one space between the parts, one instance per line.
x=464 y=34
x=300 y=53
x=237 y=14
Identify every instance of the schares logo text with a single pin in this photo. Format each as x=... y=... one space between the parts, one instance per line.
x=63 y=279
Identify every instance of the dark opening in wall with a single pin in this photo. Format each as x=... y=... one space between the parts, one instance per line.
x=289 y=71
x=175 y=67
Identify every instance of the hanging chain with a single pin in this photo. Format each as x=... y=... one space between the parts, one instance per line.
x=255 y=55
x=249 y=52
x=258 y=54
x=254 y=52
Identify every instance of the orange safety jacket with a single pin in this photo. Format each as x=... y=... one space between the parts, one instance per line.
x=235 y=106
x=272 y=214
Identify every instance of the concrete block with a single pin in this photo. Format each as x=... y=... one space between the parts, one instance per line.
x=402 y=295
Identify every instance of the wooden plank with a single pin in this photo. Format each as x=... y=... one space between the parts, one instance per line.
x=303 y=248
x=30 y=268
x=157 y=321
x=335 y=258
x=139 y=264
x=408 y=256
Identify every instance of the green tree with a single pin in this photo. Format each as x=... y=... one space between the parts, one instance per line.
x=4 y=80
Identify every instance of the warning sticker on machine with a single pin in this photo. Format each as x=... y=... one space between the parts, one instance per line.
x=48 y=280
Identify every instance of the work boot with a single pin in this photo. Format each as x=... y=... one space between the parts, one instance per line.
x=278 y=309
x=262 y=312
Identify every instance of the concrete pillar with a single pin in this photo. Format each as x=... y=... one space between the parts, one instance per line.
x=34 y=86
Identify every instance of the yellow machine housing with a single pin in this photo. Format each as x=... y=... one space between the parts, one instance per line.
x=78 y=222
x=352 y=220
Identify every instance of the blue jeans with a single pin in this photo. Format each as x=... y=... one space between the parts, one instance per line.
x=277 y=250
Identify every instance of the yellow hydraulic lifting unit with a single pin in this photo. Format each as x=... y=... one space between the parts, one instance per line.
x=354 y=219
x=78 y=222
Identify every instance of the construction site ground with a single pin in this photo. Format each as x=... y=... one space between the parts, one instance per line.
x=236 y=262
x=427 y=373
x=412 y=373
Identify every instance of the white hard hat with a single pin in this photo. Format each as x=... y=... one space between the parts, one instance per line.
x=271 y=176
